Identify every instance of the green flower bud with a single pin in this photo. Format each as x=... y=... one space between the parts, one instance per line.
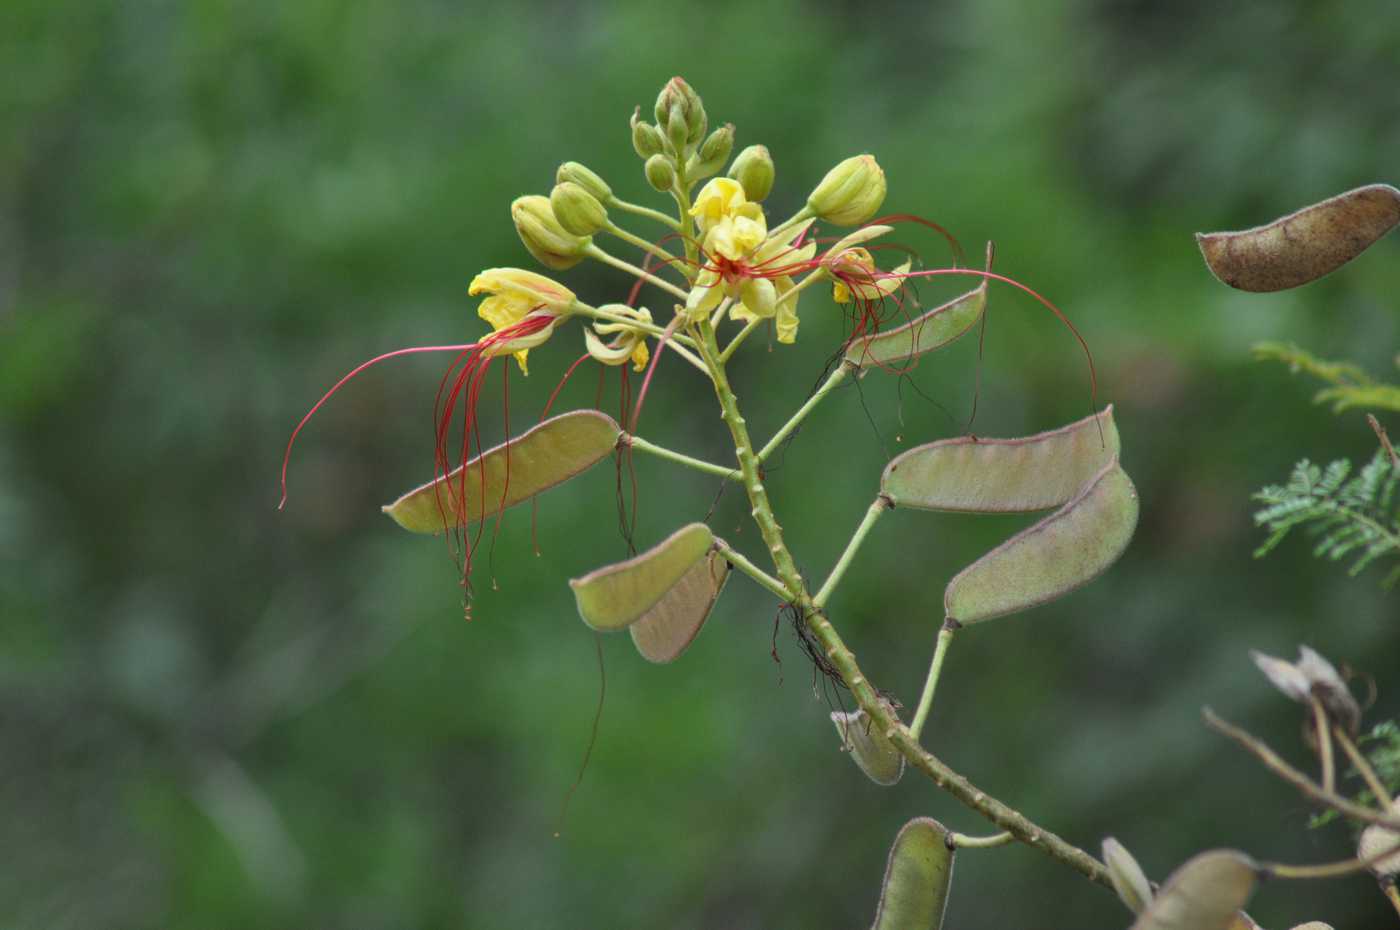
x=712 y=154
x=646 y=138
x=680 y=113
x=578 y=211
x=850 y=193
x=754 y=171
x=551 y=244
x=661 y=172
x=677 y=129
x=584 y=178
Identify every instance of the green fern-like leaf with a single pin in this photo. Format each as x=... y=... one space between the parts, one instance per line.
x=1350 y=517
x=1352 y=387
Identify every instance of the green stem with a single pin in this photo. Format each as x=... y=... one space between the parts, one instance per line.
x=594 y=252
x=793 y=220
x=739 y=338
x=838 y=374
x=739 y=561
x=867 y=697
x=641 y=243
x=661 y=452
x=963 y=841
x=647 y=212
x=935 y=669
x=872 y=513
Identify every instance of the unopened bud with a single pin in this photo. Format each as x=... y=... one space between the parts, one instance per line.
x=712 y=154
x=646 y=138
x=678 y=101
x=661 y=173
x=1127 y=877
x=754 y=171
x=551 y=244
x=1375 y=840
x=677 y=129
x=578 y=211
x=850 y=193
x=585 y=178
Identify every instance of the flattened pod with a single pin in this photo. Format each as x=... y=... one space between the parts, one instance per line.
x=1066 y=550
x=915 y=892
x=1302 y=246
x=932 y=330
x=1203 y=894
x=877 y=756
x=548 y=454
x=616 y=596
x=1003 y=475
x=672 y=623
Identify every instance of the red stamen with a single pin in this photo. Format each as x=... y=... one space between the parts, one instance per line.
x=341 y=383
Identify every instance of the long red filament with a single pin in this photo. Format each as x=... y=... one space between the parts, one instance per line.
x=414 y=350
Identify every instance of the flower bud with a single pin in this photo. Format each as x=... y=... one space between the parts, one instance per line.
x=551 y=244
x=712 y=154
x=1375 y=840
x=677 y=129
x=850 y=193
x=661 y=173
x=679 y=103
x=584 y=178
x=646 y=138
x=578 y=211
x=1127 y=877
x=753 y=169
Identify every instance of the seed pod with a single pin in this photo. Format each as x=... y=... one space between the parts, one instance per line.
x=616 y=596
x=1132 y=885
x=1003 y=475
x=914 y=895
x=1305 y=245
x=549 y=454
x=1065 y=551
x=660 y=172
x=1375 y=840
x=1204 y=894
x=872 y=751
x=671 y=625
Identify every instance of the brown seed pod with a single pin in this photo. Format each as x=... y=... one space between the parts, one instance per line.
x=1305 y=245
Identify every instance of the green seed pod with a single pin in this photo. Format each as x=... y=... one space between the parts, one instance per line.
x=585 y=178
x=850 y=193
x=660 y=172
x=551 y=244
x=646 y=138
x=578 y=211
x=754 y=171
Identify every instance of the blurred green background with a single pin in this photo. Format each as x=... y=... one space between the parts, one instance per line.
x=216 y=715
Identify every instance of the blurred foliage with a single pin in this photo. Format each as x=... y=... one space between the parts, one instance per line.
x=1352 y=387
x=213 y=714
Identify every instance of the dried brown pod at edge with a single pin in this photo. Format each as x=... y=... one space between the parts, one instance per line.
x=1305 y=245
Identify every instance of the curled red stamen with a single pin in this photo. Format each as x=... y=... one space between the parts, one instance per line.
x=413 y=350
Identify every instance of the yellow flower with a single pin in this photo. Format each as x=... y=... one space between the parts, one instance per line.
x=630 y=343
x=514 y=295
x=776 y=254
x=720 y=198
x=738 y=234
x=854 y=273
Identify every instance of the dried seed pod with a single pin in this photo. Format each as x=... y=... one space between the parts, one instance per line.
x=915 y=891
x=549 y=454
x=1204 y=894
x=1305 y=245
x=1127 y=876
